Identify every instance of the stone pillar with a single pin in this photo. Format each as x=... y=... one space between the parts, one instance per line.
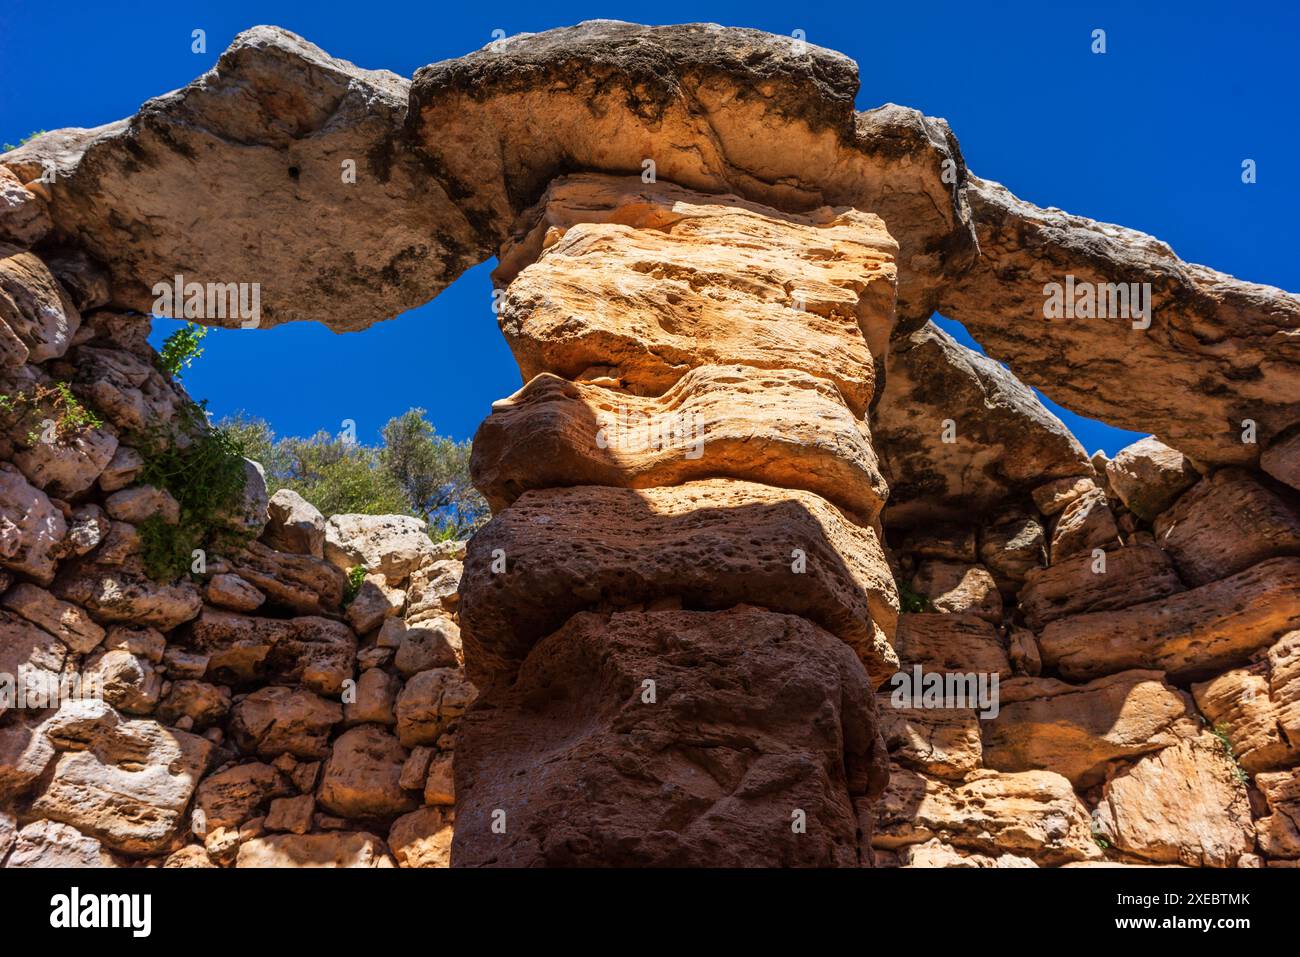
x=675 y=611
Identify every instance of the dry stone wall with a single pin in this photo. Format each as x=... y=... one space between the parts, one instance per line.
x=250 y=715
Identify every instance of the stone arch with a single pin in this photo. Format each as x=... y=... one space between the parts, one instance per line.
x=241 y=177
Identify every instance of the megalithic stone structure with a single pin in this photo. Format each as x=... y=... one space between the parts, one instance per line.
x=678 y=610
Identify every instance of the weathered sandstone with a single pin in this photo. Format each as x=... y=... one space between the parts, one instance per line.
x=1189 y=634
x=709 y=544
x=1080 y=584
x=780 y=427
x=1185 y=804
x=709 y=766
x=1225 y=524
x=1148 y=476
x=1080 y=730
x=958 y=433
x=1034 y=814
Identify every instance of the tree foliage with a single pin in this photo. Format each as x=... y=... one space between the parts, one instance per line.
x=412 y=471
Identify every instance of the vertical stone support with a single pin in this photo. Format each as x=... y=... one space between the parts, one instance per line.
x=677 y=612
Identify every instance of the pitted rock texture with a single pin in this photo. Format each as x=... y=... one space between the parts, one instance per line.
x=697 y=279
x=705 y=544
x=1033 y=814
x=241 y=715
x=780 y=427
x=691 y=223
x=768 y=331
x=446 y=163
x=752 y=717
x=439 y=182
x=261 y=143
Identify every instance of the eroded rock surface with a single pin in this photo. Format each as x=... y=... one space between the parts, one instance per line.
x=719 y=624
x=713 y=770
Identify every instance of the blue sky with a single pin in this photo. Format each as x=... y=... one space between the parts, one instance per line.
x=1151 y=135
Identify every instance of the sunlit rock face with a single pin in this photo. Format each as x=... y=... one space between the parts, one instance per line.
x=780 y=574
x=716 y=319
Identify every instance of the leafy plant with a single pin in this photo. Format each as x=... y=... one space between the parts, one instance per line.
x=56 y=405
x=206 y=477
x=433 y=472
x=912 y=601
x=181 y=348
x=1220 y=732
x=356 y=575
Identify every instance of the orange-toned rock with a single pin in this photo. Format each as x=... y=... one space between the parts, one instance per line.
x=1084 y=524
x=1282 y=459
x=959 y=589
x=950 y=643
x=1148 y=476
x=1052 y=497
x=1225 y=524
x=672 y=738
x=317 y=652
x=1034 y=814
x=1279 y=831
x=935 y=853
x=1186 y=804
x=1284 y=684
x=422 y=838
x=331 y=849
x=274 y=720
x=125 y=593
x=1081 y=584
x=126 y=783
x=1012 y=544
x=1191 y=634
x=1238 y=705
x=777 y=426
x=944 y=742
x=1191 y=390
x=1080 y=730
x=1256 y=707
x=714 y=281
x=67 y=622
x=361 y=779
x=230 y=797
x=959 y=435
x=301 y=583
x=709 y=544
x=35 y=307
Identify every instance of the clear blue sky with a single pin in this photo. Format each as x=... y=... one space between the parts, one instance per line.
x=1150 y=135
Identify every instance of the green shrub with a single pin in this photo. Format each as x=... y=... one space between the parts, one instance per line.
x=206 y=477
x=356 y=575
x=413 y=471
x=1220 y=732
x=181 y=348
